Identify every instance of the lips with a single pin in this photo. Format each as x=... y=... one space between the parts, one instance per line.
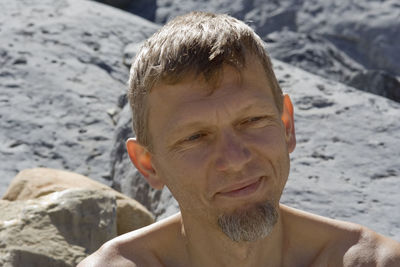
x=241 y=189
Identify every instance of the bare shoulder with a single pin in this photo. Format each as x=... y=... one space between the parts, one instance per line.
x=373 y=249
x=107 y=255
x=333 y=242
x=141 y=248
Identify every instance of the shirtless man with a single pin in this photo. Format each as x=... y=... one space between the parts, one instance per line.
x=213 y=126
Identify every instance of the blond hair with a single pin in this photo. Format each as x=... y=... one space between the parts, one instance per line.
x=199 y=43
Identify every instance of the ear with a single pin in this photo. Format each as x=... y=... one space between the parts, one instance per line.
x=141 y=158
x=288 y=122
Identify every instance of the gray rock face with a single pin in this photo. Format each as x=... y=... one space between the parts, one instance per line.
x=377 y=82
x=143 y=8
x=59 y=229
x=368 y=31
x=61 y=74
x=344 y=164
x=313 y=53
x=329 y=38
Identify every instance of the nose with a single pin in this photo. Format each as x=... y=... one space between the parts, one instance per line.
x=232 y=153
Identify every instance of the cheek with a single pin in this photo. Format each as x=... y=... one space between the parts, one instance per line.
x=179 y=165
x=271 y=149
x=184 y=175
x=271 y=140
x=191 y=161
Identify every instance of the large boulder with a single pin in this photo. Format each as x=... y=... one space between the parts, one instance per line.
x=58 y=229
x=341 y=42
x=371 y=37
x=61 y=74
x=34 y=183
x=313 y=53
x=318 y=55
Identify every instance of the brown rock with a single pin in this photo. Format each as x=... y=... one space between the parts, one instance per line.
x=59 y=229
x=34 y=183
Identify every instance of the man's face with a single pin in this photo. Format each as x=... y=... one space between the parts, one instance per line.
x=223 y=152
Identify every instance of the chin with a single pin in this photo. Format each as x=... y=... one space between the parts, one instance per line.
x=250 y=223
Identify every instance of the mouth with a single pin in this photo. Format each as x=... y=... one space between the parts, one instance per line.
x=241 y=189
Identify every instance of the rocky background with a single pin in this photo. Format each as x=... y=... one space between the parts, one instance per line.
x=64 y=67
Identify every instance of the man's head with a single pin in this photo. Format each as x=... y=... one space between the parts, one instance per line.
x=197 y=43
x=212 y=123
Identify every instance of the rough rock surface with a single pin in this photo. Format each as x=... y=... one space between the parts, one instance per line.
x=34 y=183
x=377 y=82
x=333 y=33
x=56 y=230
x=346 y=163
x=61 y=73
x=143 y=8
x=369 y=31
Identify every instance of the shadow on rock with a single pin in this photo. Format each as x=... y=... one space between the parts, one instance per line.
x=378 y=82
x=143 y=8
x=24 y=258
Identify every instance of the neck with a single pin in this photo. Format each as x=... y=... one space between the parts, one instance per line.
x=208 y=246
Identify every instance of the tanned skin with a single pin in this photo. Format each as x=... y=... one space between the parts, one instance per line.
x=222 y=152
x=315 y=242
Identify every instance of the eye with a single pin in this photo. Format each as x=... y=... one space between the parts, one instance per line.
x=194 y=137
x=252 y=120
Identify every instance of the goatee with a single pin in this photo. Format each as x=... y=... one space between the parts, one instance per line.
x=250 y=224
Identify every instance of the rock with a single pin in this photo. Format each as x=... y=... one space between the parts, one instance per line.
x=34 y=183
x=143 y=8
x=323 y=37
x=130 y=52
x=346 y=139
x=54 y=101
x=313 y=53
x=378 y=82
x=59 y=229
x=318 y=55
x=368 y=31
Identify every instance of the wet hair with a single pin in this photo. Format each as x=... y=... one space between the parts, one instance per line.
x=197 y=43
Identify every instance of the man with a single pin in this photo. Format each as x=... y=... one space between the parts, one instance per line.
x=213 y=126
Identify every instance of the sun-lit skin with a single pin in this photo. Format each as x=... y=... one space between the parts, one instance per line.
x=206 y=145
